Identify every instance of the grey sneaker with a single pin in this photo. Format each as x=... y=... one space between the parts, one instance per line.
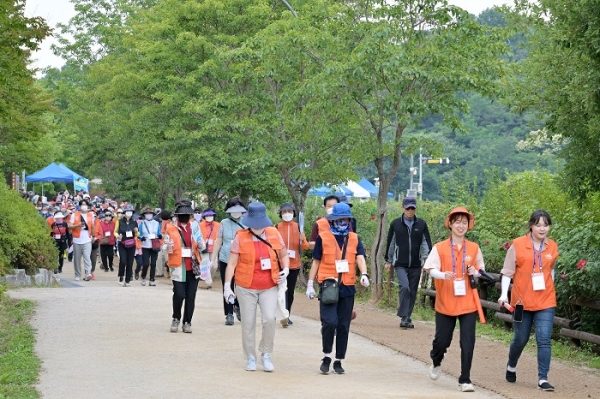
x=152 y=283
x=187 y=328
x=143 y=282
x=174 y=325
x=127 y=284
x=229 y=320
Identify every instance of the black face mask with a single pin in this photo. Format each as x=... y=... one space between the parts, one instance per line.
x=183 y=218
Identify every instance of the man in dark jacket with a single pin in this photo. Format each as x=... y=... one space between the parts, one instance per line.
x=408 y=242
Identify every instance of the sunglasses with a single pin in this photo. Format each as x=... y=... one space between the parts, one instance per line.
x=410 y=208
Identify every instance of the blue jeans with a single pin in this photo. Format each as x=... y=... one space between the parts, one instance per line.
x=543 y=320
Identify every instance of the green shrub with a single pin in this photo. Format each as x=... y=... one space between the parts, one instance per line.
x=25 y=241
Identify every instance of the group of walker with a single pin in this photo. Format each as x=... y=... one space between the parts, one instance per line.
x=260 y=263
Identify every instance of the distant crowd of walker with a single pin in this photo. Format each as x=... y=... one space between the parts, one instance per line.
x=259 y=266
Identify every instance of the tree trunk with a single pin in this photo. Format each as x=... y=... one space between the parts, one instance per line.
x=378 y=248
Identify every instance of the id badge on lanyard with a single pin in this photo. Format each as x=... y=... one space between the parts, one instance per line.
x=341 y=266
x=107 y=234
x=265 y=264
x=538 y=282
x=291 y=253
x=129 y=233
x=460 y=287
x=186 y=252
x=57 y=236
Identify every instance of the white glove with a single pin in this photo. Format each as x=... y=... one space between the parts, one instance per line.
x=227 y=292
x=502 y=299
x=364 y=280
x=310 y=289
x=283 y=275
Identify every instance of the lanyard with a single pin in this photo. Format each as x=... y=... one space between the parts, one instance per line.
x=260 y=245
x=537 y=256
x=464 y=256
x=212 y=227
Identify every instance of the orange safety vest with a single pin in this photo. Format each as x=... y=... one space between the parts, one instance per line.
x=522 y=285
x=291 y=237
x=207 y=233
x=333 y=252
x=244 y=271
x=90 y=220
x=323 y=225
x=445 y=301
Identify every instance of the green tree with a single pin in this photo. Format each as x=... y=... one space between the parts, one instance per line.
x=22 y=105
x=404 y=61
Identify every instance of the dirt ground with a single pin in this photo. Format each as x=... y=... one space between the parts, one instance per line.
x=100 y=340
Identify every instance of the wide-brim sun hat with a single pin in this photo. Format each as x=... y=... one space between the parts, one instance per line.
x=59 y=215
x=148 y=210
x=184 y=207
x=463 y=210
x=236 y=208
x=257 y=218
x=340 y=211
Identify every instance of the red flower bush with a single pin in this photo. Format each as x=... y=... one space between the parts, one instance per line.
x=581 y=264
x=507 y=245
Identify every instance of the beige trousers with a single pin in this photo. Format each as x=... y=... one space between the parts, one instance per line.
x=249 y=301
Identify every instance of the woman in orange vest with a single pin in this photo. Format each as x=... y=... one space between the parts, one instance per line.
x=530 y=263
x=336 y=254
x=451 y=263
x=60 y=233
x=294 y=241
x=259 y=260
x=209 y=229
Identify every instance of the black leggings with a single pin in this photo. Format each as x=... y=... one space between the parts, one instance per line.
x=106 y=254
x=227 y=307
x=291 y=286
x=126 y=256
x=149 y=257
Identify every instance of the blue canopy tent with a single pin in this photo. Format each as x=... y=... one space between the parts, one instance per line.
x=54 y=173
x=324 y=191
x=372 y=189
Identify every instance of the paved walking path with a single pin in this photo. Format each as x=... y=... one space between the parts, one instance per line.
x=101 y=340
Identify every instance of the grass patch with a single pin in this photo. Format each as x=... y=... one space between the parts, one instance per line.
x=19 y=365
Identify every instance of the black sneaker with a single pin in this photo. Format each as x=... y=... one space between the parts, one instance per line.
x=511 y=376
x=137 y=275
x=545 y=386
x=325 y=365
x=337 y=367
x=290 y=322
x=404 y=324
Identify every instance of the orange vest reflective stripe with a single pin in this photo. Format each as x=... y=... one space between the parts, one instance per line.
x=90 y=220
x=333 y=252
x=445 y=301
x=244 y=271
x=323 y=225
x=522 y=285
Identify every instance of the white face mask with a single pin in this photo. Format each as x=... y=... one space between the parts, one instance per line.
x=83 y=208
x=108 y=218
x=174 y=219
x=236 y=215
x=287 y=217
x=209 y=219
x=197 y=217
x=328 y=211
x=59 y=221
x=129 y=214
x=149 y=216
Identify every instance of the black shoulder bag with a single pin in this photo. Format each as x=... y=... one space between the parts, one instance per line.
x=330 y=288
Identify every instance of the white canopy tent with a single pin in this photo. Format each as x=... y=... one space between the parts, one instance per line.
x=358 y=191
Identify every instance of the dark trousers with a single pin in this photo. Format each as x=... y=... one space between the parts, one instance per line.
x=106 y=255
x=149 y=257
x=408 y=281
x=291 y=286
x=126 y=256
x=61 y=259
x=444 y=328
x=335 y=323
x=185 y=291
x=94 y=257
x=227 y=307
x=139 y=261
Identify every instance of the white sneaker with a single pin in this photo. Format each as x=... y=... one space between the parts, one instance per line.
x=435 y=372
x=121 y=282
x=266 y=362
x=251 y=364
x=77 y=278
x=143 y=282
x=466 y=387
